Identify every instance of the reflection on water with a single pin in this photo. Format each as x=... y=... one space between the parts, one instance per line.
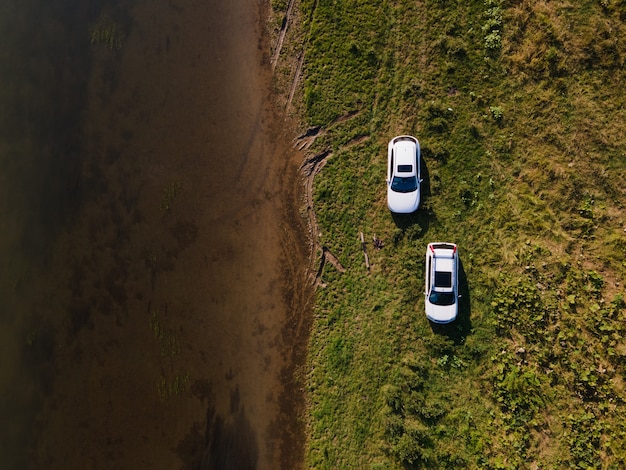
x=43 y=71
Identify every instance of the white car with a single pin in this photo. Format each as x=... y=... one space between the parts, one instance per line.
x=442 y=282
x=403 y=174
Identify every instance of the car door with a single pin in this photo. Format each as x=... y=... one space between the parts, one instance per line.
x=390 y=168
x=429 y=260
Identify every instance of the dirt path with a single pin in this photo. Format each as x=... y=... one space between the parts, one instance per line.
x=176 y=306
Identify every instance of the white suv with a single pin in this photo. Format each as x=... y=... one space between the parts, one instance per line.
x=442 y=282
x=403 y=174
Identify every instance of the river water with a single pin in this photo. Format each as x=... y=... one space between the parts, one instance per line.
x=153 y=293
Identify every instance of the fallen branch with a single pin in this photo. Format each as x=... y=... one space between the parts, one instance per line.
x=367 y=259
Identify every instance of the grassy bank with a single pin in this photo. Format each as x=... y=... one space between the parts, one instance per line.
x=519 y=107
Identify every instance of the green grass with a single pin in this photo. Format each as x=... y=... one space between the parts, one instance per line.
x=520 y=110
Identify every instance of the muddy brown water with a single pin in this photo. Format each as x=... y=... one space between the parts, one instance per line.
x=154 y=294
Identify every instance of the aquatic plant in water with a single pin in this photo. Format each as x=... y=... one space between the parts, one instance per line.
x=106 y=32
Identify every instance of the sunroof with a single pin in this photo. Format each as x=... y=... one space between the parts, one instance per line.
x=443 y=279
x=405 y=168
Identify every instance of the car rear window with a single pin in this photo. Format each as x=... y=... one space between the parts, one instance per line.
x=443 y=279
x=405 y=168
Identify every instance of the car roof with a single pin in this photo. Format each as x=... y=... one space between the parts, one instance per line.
x=443 y=257
x=444 y=264
x=404 y=152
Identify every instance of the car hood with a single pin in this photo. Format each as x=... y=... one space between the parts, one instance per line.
x=403 y=203
x=440 y=313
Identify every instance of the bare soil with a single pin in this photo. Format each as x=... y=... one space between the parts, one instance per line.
x=173 y=314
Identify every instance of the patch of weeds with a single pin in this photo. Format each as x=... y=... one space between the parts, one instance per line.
x=439 y=345
x=172 y=387
x=447 y=362
x=435 y=150
x=521 y=307
x=586 y=207
x=437 y=117
x=106 y=32
x=279 y=5
x=168 y=339
x=467 y=194
x=497 y=113
x=414 y=446
x=584 y=437
x=492 y=28
x=517 y=387
x=340 y=355
x=170 y=192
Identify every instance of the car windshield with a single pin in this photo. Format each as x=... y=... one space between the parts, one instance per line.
x=441 y=298
x=404 y=185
